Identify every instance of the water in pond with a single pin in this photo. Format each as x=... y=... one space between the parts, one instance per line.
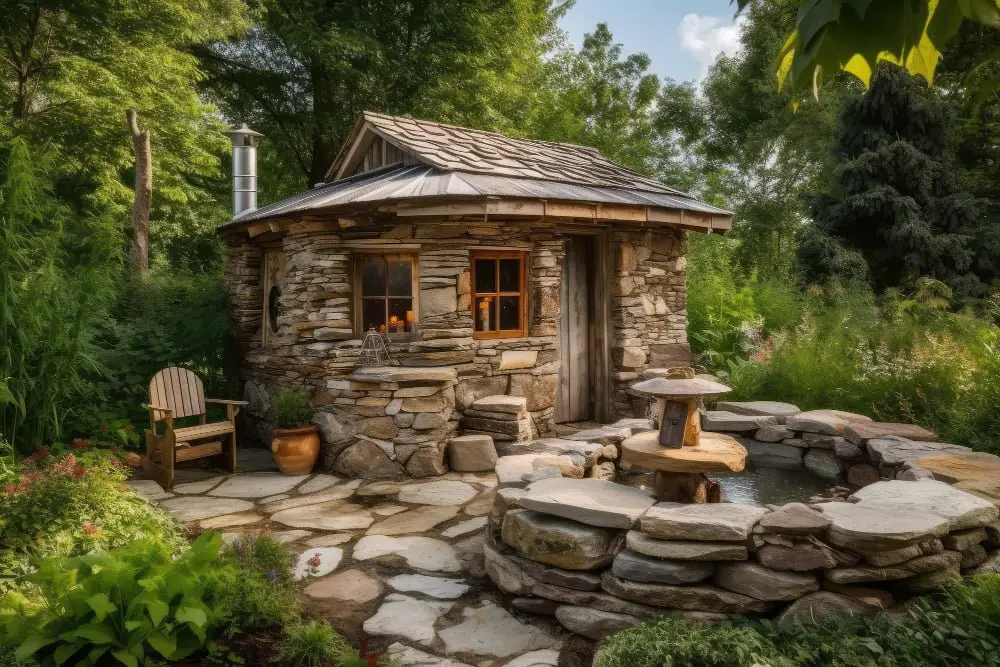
x=755 y=486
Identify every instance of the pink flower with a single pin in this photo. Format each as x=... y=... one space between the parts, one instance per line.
x=10 y=488
x=79 y=471
x=314 y=561
x=89 y=528
x=81 y=443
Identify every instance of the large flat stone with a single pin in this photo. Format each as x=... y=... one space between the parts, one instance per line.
x=868 y=528
x=591 y=451
x=257 y=485
x=419 y=520
x=773 y=454
x=684 y=550
x=593 y=623
x=962 y=510
x=512 y=469
x=712 y=522
x=975 y=472
x=559 y=542
x=692 y=598
x=827 y=422
x=722 y=420
x=348 y=586
x=404 y=616
x=776 y=409
x=513 y=405
x=799 y=557
x=637 y=567
x=407 y=656
x=435 y=587
x=591 y=501
x=196 y=508
x=862 y=432
x=764 y=583
x=922 y=565
x=337 y=492
x=892 y=451
x=465 y=527
x=489 y=630
x=422 y=553
x=200 y=486
x=795 y=519
x=317 y=562
x=443 y=492
x=147 y=488
x=336 y=515
x=546 y=657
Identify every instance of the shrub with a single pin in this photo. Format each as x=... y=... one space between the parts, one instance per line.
x=263 y=595
x=121 y=607
x=959 y=626
x=291 y=409
x=315 y=644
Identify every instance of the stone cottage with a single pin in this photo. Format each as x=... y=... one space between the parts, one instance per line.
x=493 y=266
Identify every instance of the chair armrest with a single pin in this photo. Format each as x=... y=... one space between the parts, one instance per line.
x=168 y=411
x=223 y=401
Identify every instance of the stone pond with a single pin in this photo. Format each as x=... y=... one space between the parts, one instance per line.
x=511 y=564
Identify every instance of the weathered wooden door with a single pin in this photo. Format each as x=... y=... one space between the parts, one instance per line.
x=575 y=401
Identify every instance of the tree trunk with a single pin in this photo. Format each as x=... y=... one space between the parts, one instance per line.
x=139 y=255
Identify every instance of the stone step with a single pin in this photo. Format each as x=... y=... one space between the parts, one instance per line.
x=515 y=405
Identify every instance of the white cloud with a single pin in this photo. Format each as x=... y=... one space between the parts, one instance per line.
x=705 y=37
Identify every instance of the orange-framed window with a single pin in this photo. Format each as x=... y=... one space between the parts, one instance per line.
x=386 y=293
x=499 y=293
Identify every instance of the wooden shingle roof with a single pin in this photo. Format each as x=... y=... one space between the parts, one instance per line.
x=452 y=148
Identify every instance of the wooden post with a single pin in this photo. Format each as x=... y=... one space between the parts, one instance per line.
x=139 y=255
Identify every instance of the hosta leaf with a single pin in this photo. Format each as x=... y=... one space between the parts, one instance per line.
x=193 y=615
x=101 y=605
x=31 y=645
x=66 y=651
x=163 y=644
x=157 y=610
x=125 y=657
x=98 y=634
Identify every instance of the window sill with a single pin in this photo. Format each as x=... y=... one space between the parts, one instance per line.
x=495 y=335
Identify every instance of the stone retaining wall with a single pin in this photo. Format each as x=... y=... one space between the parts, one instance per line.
x=602 y=557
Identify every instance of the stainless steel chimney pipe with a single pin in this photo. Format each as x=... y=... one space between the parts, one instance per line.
x=245 y=143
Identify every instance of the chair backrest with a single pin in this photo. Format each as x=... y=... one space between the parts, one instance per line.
x=178 y=389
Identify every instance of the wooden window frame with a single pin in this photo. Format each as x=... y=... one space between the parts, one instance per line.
x=357 y=299
x=272 y=259
x=522 y=294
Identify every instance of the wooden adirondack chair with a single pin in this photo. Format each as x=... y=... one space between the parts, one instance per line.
x=175 y=393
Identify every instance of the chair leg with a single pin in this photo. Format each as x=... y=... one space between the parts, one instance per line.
x=231 y=454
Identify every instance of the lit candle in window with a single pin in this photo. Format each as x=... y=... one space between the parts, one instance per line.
x=484 y=314
x=396 y=324
x=409 y=320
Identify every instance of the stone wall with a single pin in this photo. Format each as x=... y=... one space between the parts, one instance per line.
x=602 y=557
x=316 y=348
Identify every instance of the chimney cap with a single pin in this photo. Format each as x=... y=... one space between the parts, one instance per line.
x=243 y=131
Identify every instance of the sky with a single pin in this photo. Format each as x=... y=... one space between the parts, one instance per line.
x=682 y=37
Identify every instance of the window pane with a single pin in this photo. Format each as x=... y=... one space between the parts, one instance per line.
x=373 y=277
x=400 y=315
x=373 y=314
x=400 y=281
x=510 y=275
x=510 y=313
x=486 y=275
x=486 y=313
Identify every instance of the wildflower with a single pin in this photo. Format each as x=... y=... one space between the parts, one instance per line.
x=89 y=528
x=79 y=471
x=314 y=561
x=81 y=443
x=272 y=576
x=10 y=488
x=41 y=454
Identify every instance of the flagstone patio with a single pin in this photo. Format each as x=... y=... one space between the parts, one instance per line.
x=399 y=562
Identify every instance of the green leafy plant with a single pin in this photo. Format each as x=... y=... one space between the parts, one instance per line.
x=264 y=594
x=125 y=606
x=291 y=409
x=315 y=644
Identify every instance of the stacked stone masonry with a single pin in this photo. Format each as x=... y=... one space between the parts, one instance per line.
x=559 y=545
x=375 y=429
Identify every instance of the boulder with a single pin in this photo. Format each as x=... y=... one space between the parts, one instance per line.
x=593 y=623
x=426 y=462
x=773 y=454
x=780 y=411
x=928 y=582
x=800 y=557
x=684 y=550
x=823 y=464
x=634 y=566
x=862 y=474
x=763 y=583
x=559 y=542
x=962 y=510
x=893 y=451
x=964 y=539
x=875 y=528
x=366 y=459
x=827 y=422
x=472 y=453
x=814 y=607
x=989 y=566
x=693 y=598
x=844 y=449
x=873 y=597
x=795 y=519
x=862 y=432
x=591 y=501
x=922 y=565
x=973 y=557
x=721 y=420
x=712 y=522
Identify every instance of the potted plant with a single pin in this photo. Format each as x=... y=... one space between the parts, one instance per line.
x=294 y=440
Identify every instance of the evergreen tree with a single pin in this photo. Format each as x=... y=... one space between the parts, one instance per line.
x=899 y=201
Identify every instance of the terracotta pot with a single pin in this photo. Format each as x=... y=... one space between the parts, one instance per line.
x=295 y=449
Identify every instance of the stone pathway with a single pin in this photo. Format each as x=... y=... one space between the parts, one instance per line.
x=399 y=562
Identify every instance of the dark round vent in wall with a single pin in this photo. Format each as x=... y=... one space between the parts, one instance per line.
x=273 y=307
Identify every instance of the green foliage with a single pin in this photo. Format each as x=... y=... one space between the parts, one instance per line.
x=263 y=595
x=124 y=607
x=72 y=505
x=291 y=409
x=315 y=644
x=959 y=627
